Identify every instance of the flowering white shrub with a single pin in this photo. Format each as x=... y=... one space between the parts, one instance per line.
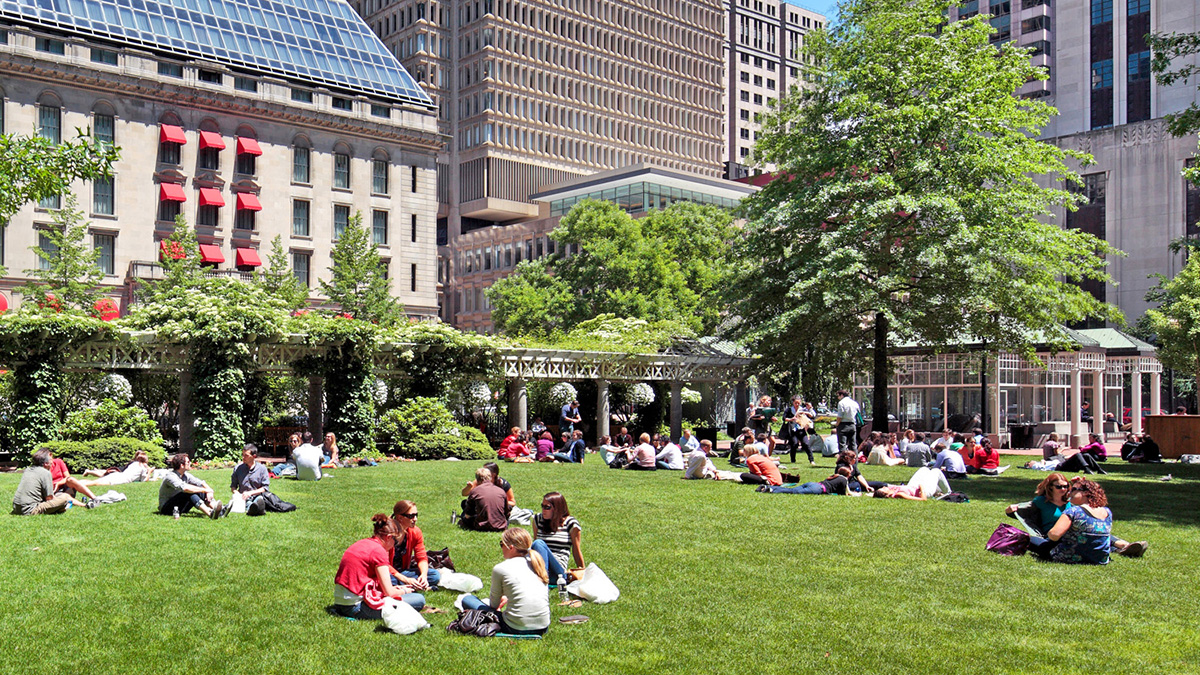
x=562 y=394
x=641 y=394
x=116 y=387
x=689 y=395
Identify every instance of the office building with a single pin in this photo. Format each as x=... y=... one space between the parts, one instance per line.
x=278 y=118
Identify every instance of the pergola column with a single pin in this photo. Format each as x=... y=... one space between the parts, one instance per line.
x=676 y=409
x=316 y=406
x=518 y=404
x=995 y=393
x=1098 y=404
x=741 y=401
x=187 y=422
x=1135 y=406
x=602 y=414
x=1076 y=400
x=1155 y=392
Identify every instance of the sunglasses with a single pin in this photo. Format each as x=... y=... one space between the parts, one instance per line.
x=1064 y=486
x=410 y=516
x=546 y=506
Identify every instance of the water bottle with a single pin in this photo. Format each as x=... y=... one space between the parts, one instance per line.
x=562 y=588
x=175 y=513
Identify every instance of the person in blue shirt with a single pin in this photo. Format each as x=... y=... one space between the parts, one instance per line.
x=569 y=417
x=950 y=461
x=574 y=451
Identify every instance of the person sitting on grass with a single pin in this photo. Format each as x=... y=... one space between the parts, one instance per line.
x=513 y=435
x=574 y=450
x=837 y=484
x=1147 y=451
x=916 y=453
x=35 y=493
x=181 y=490
x=1083 y=532
x=669 y=457
x=736 y=458
x=545 y=447
x=499 y=482
x=250 y=482
x=65 y=482
x=558 y=536
x=688 y=442
x=1095 y=448
x=642 y=458
x=364 y=575
x=950 y=461
x=986 y=460
x=515 y=448
x=763 y=470
x=486 y=507
x=410 y=556
x=135 y=472
x=329 y=452
x=1041 y=513
x=698 y=463
x=308 y=459
x=519 y=593
x=623 y=439
x=881 y=455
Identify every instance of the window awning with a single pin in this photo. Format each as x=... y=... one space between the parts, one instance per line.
x=3 y=303
x=169 y=133
x=211 y=197
x=106 y=309
x=248 y=257
x=211 y=254
x=169 y=249
x=248 y=202
x=248 y=146
x=171 y=192
x=211 y=139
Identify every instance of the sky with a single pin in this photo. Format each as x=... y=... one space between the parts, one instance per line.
x=826 y=7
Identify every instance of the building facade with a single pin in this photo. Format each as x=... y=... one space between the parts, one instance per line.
x=763 y=60
x=271 y=135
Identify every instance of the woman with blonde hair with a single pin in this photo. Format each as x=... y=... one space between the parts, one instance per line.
x=519 y=594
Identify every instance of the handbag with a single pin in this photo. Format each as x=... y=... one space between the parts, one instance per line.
x=477 y=622
x=274 y=503
x=441 y=559
x=1008 y=540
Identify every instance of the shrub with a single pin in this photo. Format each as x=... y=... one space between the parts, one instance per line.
x=104 y=452
x=418 y=416
x=111 y=419
x=440 y=446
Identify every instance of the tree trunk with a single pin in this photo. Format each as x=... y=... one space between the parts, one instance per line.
x=879 y=406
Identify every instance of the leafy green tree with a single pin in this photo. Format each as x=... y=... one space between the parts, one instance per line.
x=71 y=273
x=278 y=279
x=1168 y=48
x=33 y=168
x=911 y=202
x=669 y=265
x=1176 y=321
x=357 y=282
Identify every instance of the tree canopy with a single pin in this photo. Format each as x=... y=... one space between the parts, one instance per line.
x=911 y=200
x=670 y=265
x=1176 y=321
x=358 y=284
x=32 y=167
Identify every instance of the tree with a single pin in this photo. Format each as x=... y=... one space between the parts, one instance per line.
x=1176 y=321
x=910 y=202
x=70 y=273
x=670 y=265
x=279 y=281
x=1166 y=48
x=33 y=168
x=357 y=282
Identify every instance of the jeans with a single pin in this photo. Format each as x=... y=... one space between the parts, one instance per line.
x=846 y=433
x=432 y=575
x=805 y=489
x=554 y=569
x=472 y=602
x=634 y=466
x=564 y=457
x=797 y=442
x=661 y=465
x=184 y=500
x=416 y=600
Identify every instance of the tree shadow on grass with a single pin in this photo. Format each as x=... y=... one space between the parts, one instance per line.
x=1134 y=490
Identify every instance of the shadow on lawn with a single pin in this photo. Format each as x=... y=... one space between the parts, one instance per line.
x=1134 y=490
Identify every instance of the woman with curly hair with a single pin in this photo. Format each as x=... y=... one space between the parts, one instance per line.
x=1083 y=532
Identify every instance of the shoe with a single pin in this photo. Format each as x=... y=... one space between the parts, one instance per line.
x=91 y=503
x=217 y=509
x=763 y=488
x=812 y=463
x=1135 y=550
x=225 y=510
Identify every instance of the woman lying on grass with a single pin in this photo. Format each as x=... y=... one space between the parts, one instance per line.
x=927 y=482
x=1050 y=500
x=135 y=472
x=837 y=484
x=364 y=576
x=518 y=587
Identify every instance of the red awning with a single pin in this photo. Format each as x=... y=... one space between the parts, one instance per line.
x=3 y=303
x=248 y=202
x=170 y=249
x=171 y=192
x=248 y=257
x=211 y=139
x=248 y=146
x=169 y=133
x=106 y=309
x=211 y=254
x=211 y=197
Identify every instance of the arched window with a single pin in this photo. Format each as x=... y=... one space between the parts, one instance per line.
x=301 y=160
x=247 y=151
x=380 y=170
x=341 y=166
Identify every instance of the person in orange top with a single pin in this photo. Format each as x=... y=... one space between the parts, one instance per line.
x=985 y=458
x=763 y=470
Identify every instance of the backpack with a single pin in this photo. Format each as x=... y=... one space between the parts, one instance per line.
x=956 y=497
x=477 y=622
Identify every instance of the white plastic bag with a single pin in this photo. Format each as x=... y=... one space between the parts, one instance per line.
x=401 y=618
x=595 y=586
x=237 y=503
x=520 y=516
x=457 y=581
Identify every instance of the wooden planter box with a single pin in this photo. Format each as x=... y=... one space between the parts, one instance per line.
x=1176 y=435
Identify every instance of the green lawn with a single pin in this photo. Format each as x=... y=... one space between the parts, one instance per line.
x=713 y=576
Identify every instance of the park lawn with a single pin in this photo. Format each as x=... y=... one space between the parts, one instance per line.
x=713 y=576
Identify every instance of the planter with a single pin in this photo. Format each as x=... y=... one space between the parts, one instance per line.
x=707 y=434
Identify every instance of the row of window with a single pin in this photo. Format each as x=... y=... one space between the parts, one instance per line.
x=507 y=256
x=758 y=80
x=583 y=150
x=1137 y=70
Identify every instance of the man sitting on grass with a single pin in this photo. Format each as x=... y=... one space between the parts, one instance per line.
x=574 y=450
x=308 y=459
x=250 y=482
x=669 y=456
x=486 y=506
x=181 y=490
x=35 y=494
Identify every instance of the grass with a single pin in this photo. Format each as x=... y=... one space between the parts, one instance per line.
x=713 y=576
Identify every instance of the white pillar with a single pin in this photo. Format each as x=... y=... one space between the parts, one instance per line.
x=518 y=404
x=1076 y=400
x=602 y=414
x=1155 y=393
x=1098 y=404
x=1135 y=406
x=995 y=405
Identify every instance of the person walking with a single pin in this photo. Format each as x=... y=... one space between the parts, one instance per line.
x=847 y=421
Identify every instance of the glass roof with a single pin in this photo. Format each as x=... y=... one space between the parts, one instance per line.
x=320 y=42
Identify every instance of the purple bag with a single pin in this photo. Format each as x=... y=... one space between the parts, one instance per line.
x=1008 y=540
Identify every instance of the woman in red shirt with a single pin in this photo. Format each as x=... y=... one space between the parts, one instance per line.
x=364 y=577
x=410 y=556
x=985 y=458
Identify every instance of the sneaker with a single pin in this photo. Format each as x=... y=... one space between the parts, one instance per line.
x=763 y=488
x=225 y=510
x=217 y=510
x=1135 y=550
x=90 y=503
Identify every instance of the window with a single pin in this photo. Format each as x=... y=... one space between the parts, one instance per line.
x=206 y=215
x=170 y=69
x=106 y=244
x=340 y=103
x=968 y=9
x=245 y=220
x=300 y=265
x=300 y=163
x=48 y=247
x=341 y=218
x=302 y=96
x=102 y=196
x=1035 y=24
x=51 y=46
x=414 y=227
x=50 y=123
x=1102 y=74
x=1101 y=11
x=379 y=227
x=744 y=114
x=770 y=84
x=413 y=278
x=341 y=171
x=210 y=159
x=414 y=178
x=1139 y=66
x=1138 y=7
x=301 y=218
x=210 y=76
x=169 y=153
x=247 y=164
x=758 y=99
x=168 y=210
x=104 y=56
x=379 y=176
x=385 y=268
x=380 y=110
x=745 y=96
x=245 y=83
x=104 y=128
x=745 y=76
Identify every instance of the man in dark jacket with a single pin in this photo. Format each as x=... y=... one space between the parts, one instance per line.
x=486 y=506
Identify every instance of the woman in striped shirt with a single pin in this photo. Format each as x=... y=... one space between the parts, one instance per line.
x=557 y=536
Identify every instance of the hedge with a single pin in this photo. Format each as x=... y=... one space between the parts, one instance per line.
x=104 y=453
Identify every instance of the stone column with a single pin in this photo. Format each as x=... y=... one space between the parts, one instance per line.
x=187 y=423
x=741 y=401
x=1098 y=404
x=518 y=404
x=602 y=414
x=316 y=407
x=1135 y=405
x=1155 y=393
x=995 y=395
x=1076 y=398
x=676 y=410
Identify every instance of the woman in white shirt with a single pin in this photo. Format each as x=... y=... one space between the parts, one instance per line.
x=519 y=593
x=138 y=470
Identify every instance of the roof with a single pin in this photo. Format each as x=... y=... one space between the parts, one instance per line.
x=318 y=42
x=1081 y=340
x=1114 y=341
x=637 y=173
x=705 y=346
